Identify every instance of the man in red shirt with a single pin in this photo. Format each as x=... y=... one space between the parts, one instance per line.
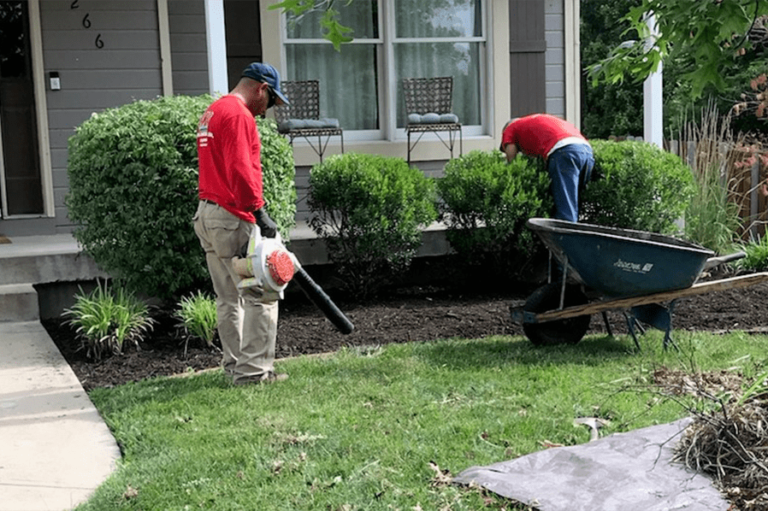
x=567 y=155
x=231 y=202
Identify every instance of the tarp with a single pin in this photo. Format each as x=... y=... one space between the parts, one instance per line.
x=624 y=472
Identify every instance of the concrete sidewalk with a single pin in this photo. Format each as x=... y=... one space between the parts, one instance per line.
x=55 y=449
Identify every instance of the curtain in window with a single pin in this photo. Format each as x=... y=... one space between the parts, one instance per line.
x=431 y=39
x=448 y=19
x=349 y=78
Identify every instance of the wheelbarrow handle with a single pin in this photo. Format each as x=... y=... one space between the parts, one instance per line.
x=714 y=261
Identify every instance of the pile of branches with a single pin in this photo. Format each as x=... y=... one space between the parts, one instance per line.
x=731 y=445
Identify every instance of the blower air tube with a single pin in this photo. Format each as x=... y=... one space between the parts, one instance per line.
x=323 y=302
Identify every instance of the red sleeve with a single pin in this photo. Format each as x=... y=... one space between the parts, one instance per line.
x=242 y=156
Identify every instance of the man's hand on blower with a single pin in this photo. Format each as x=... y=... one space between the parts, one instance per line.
x=266 y=224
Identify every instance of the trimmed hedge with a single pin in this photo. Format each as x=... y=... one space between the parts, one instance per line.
x=133 y=191
x=485 y=204
x=642 y=187
x=370 y=210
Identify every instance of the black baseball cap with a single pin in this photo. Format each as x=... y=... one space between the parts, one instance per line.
x=265 y=73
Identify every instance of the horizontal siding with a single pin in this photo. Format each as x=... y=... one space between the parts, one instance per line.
x=83 y=79
x=64 y=40
x=189 y=47
x=554 y=58
x=125 y=68
x=56 y=7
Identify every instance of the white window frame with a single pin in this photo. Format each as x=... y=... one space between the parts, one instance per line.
x=387 y=85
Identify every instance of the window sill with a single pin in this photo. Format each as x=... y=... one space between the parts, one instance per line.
x=428 y=149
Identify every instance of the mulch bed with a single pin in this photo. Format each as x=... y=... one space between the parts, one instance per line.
x=405 y=314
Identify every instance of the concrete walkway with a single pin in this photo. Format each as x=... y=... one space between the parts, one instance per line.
x=55 y=449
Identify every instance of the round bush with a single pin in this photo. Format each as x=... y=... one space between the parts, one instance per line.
x=133 y=191
x=642 y=187
x=485 y=204
x=370 y=210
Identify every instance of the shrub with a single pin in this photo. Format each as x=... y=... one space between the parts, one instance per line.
x=369 y=210
x=485 y=204
x=198 y=317
x=642 y=187
x=106 y=318
x=133 y=191
x=757 y=255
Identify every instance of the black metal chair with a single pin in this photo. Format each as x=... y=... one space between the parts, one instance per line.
x=302 y=117
x=428 y=105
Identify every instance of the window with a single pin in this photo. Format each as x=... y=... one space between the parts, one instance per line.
x=394 y=39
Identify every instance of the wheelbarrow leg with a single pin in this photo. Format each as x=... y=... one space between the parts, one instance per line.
x=631 y=322
x=607 y=323
x=658 y=316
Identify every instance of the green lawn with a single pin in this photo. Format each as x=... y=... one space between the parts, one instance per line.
x=365 y=429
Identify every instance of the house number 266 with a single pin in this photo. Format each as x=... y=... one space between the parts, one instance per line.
x=87 y=23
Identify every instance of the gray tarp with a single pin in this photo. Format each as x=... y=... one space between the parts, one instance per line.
x=623 y=472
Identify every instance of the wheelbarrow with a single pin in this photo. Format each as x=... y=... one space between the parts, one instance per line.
x=607 y=268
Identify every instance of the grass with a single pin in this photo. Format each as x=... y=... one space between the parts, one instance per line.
x=376 y=428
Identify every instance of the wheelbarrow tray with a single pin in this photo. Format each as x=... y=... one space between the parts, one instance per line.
x=620 y=263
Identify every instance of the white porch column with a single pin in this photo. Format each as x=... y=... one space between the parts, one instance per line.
x=653 y=109
x=217 y=47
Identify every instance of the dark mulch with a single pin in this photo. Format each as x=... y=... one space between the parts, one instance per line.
x=406 y=314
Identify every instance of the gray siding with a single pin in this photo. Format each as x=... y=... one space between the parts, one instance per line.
x=554 y=31
x=125 y=68
x=189 y=49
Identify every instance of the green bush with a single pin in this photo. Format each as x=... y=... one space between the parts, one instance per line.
x=642 y=187
x=133 y=191
x=485 y=204
x=106 y=318
x=369 y=209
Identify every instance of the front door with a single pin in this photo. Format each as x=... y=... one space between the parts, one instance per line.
x=20 y=177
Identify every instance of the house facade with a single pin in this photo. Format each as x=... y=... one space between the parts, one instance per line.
x=62 y=60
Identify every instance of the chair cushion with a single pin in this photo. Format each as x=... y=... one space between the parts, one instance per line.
x=301 y=124
x=433 y=118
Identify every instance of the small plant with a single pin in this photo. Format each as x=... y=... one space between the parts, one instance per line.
x=105 y=319
x=197 y=314
x=369 y=210
x=757 y=255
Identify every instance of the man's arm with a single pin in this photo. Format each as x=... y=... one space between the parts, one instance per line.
x=511 y=151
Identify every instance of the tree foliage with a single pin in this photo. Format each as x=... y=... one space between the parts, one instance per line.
x=333 y=31
x=707 y=35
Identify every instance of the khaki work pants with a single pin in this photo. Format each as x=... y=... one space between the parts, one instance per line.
x=247 y=325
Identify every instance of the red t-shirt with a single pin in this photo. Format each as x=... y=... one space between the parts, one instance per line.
x=537 y=134
x=229 y=150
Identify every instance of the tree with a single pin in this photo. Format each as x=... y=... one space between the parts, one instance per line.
x=333 y=31
x=706 y=35
x=609 y=108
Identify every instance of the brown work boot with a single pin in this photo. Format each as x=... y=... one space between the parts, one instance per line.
x=269 y=377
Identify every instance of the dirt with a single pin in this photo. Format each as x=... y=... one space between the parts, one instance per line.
x=403 y=314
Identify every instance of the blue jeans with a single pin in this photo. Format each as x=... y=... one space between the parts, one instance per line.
x=568 y=167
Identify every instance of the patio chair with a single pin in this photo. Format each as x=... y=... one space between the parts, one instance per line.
x=428 y=104
x=302 y=117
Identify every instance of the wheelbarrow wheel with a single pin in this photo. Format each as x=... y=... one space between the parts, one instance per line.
x=564 y=331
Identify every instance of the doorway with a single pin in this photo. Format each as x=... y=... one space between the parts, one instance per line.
x=21 y=187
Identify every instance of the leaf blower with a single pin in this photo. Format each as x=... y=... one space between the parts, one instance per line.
x=270 y=267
